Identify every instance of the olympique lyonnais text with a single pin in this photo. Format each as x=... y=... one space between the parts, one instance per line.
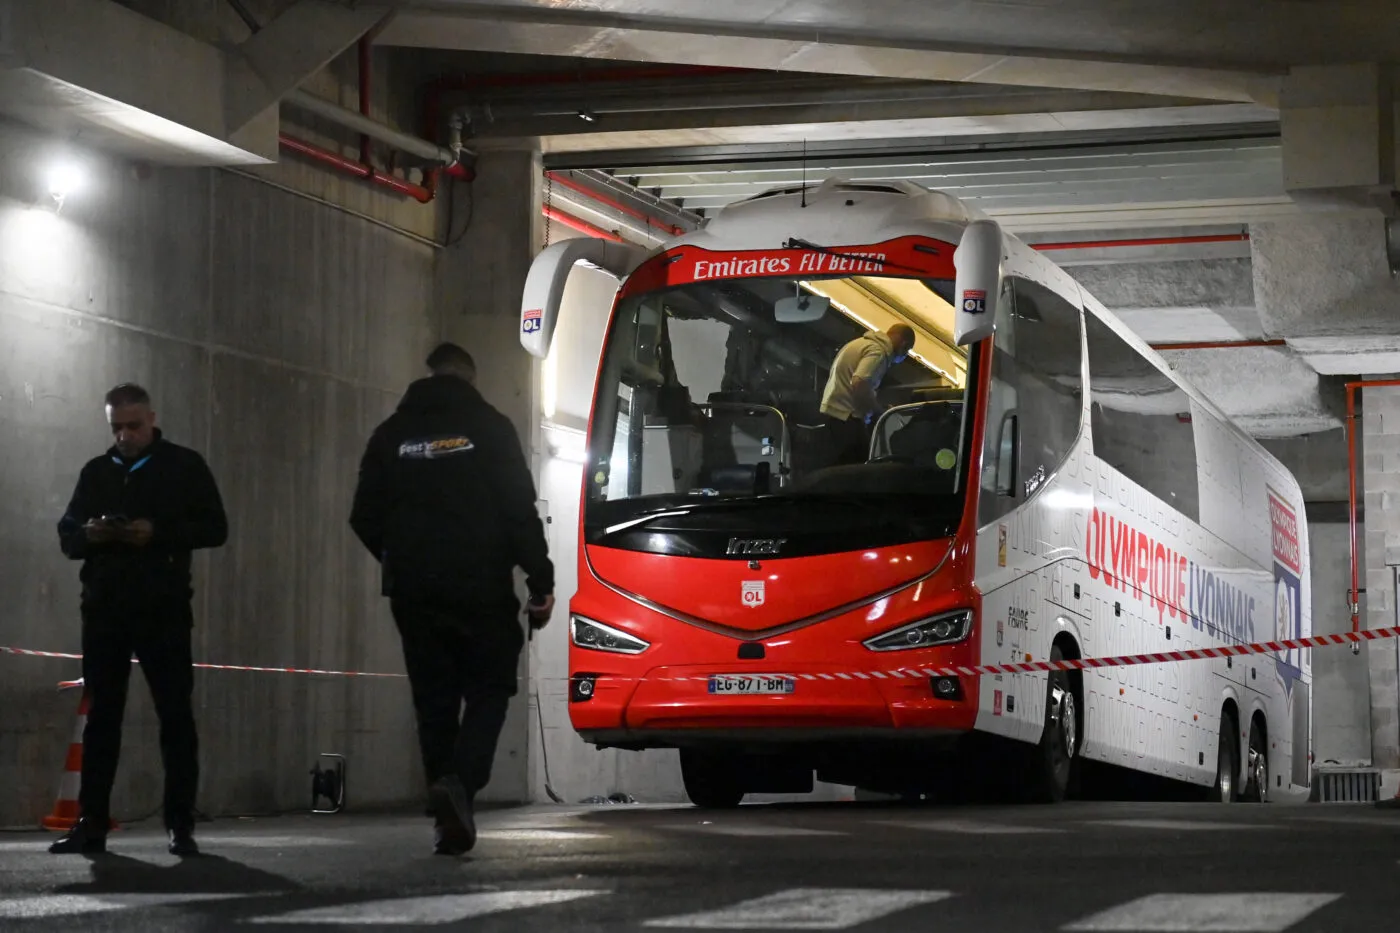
x=803 y=263
x=1177 y=587
x=1285 y=524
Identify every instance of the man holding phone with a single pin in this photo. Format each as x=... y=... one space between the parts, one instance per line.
x=446 y=503
x=135 y=516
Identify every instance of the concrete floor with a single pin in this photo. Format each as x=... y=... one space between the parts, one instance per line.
x=868 y=866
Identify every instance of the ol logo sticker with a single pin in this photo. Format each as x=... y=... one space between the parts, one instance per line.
x=754 y=593
x=1288 y=587
x=974 y=300
x=531 y=321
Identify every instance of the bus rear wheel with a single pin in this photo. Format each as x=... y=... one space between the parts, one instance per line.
x=1226 y=762
x=1053 y=758
x=711 y=781
x=1257 y=782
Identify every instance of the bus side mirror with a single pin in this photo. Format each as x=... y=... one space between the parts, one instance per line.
x=1008 y=447
x=549 y=273
x=978 y=263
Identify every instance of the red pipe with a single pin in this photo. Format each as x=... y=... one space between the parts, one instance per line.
x=613 y=203
x=1219 y=344
x=1351 y=483
x=1146 y=241
x=350 y=167
x=583 y=226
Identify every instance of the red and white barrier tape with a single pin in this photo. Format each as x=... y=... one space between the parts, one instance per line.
x=214 y=667
x=1123 y=660
x=1027 y=667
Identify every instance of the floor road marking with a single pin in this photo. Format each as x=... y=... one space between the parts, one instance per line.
x=263 y=842
x=968 y=827
x=758 y=831
x=537 y=835
x=446 y=908
x=804 y=909
x=1216 y=913
x=1183 y=825
x=66 y=905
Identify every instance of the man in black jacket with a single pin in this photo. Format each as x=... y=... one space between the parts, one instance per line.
x=135 y=516
x=446 y=503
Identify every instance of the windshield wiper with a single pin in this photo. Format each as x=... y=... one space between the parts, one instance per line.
x=646 y=518
x=800 y=243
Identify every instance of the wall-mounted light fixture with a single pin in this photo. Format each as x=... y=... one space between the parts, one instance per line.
x=63 y=179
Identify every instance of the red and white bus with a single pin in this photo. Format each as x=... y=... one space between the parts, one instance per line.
x=1040 y=485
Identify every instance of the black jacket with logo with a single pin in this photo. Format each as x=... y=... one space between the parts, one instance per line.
x=446 y=502
x=168 y=485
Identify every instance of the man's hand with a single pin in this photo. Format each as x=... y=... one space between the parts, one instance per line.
x=137 y=532
x=100 y=532
x=541 y=611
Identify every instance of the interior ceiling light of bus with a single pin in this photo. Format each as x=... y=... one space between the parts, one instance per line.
x=958 y=366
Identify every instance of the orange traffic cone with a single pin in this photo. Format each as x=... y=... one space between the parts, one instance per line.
x=65 y=810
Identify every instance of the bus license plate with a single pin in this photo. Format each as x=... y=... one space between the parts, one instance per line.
x=751 y=683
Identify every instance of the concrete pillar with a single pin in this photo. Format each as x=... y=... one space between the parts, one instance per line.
x=1338 y=124
x=496 y=232
x=1381 y=445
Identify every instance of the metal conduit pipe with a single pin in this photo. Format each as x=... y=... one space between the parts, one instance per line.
x=362 y=124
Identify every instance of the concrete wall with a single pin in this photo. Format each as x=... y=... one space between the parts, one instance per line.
x=274 y=332
x=1381 y=477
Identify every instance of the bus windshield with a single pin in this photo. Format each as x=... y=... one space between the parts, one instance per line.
x=719 y=417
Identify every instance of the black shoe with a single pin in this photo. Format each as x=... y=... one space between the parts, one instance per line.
x=182 y=843
x=452 y=806
x=83 y=838
x=445 y=844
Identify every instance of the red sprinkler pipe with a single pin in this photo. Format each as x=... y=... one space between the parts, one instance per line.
x=627 y=209
x=1351 y=483
x=583 y=226
x=350 y=167
x=1146 y=241
x=1219 y=344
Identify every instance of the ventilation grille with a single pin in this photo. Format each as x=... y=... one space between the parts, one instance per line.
x=1347 y=786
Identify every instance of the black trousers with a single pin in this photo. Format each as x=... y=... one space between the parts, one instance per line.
x=160 y=639
x=462 y=667
x=849 y=440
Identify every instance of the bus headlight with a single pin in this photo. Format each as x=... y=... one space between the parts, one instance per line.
x=589 y=634
x=943 y=629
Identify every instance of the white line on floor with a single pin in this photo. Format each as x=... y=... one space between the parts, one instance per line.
x=805 y=909
x=1207 y=913
x=1184 y=825
x=970 y=827
x=65 y=905
x=537 y=835
x=757 y=831
x=447 y=908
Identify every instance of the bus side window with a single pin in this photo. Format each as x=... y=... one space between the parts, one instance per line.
x=1035 y=397
x=1008 y=444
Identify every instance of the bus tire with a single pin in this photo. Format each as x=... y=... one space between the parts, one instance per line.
x=711 y=781
x=1256 y=786
x=1053 y=758
x=1226 y=761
